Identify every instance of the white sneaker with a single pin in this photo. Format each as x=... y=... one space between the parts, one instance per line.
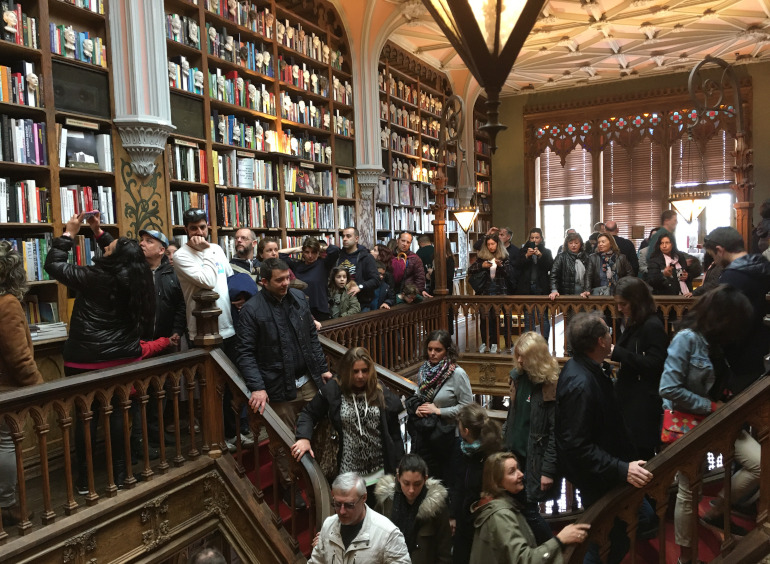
x=483 y=348
x=247 y=440
x=493 y=349
x=231 y=444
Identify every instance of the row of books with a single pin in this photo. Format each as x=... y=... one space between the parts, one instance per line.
x=233 y=89
x=187 y=162
x=309 y=215
x=483 y=147
x=242 y=170
x=304 y=113
x=181 y=201
x=405 y=219
x=403 y=192
x=24 y=202
x=411 y=170
x=246 y=14
x=78 y=45
x=256 y=58
x=346 y=216
x=482 y=167
x=182 y=76
x=298 y=240
x=382 y=219
x=303 y=77
x=183 y=30
x=34 y=249
x=484 y=187
x=20 y=85
x=84 y=148
x=304 y=180
x=40 y=331
x=84 y=251
x=309 y=44
x=77 y=199
x=96 y=6
x=18 y=27
x=241 y=210
x=23 y=141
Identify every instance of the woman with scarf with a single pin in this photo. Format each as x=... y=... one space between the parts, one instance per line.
x=568 y=274
x=364 y=416
x=670 y=272
x=502 y=534
x=480 y=437
x=444 y=388
x=419 y=507
x=529 y=428
x=605 y=267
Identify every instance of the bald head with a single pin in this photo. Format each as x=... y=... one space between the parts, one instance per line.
x=611 y=227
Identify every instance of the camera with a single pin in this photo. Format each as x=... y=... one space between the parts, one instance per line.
x=529 y=245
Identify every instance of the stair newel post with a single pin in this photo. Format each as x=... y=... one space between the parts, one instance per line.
x=206 y=314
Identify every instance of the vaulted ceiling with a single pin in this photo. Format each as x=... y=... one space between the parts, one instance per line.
x=579 y=42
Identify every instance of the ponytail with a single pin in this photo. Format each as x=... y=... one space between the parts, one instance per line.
x=481 y=427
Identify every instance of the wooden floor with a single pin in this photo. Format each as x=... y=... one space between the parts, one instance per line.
x=473 y=340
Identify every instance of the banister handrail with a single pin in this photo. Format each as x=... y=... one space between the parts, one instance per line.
x=716 y=433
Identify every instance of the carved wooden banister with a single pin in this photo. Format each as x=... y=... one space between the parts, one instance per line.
x=717 y=433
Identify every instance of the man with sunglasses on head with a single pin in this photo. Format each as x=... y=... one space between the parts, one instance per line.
x=357 y=533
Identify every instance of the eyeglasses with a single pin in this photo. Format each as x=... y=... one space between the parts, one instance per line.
x=347 y=505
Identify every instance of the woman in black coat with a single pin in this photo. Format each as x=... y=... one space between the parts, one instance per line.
x=569 y=268
x=364 y=416
x=606 y=266
x=641 y=352
x=670 y=272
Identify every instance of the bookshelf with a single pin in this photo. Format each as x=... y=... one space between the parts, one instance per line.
x=261 y=96
x=411 y=103
x=58 y=140
x=482 y=159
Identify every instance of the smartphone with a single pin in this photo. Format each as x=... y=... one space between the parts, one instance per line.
x=91 y=213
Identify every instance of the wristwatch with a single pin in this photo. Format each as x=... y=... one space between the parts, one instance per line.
x=360 y=286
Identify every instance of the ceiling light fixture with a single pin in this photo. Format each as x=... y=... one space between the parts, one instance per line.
x=488 y=35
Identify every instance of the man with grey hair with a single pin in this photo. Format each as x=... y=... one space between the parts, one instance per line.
x=357 y=533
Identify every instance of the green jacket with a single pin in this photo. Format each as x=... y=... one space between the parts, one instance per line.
x=502 y=535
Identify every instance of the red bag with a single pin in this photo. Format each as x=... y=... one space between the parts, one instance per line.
x=677 y=423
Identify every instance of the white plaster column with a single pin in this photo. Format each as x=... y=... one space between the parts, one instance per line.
x=140 y=75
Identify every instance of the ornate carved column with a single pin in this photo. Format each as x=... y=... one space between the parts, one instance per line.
x=368 y=178
x=142 y=108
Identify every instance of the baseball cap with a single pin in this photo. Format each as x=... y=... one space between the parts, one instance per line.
x=726 y=237
x=155 y=235
x=193 y=215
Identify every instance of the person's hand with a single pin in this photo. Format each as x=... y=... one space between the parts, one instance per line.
x=353 y=288
x=258 y=401
x=326 y=376
x=427 y=409
x=530 y=252
x=316 y=538
x=493 y=231
x=687 y=295
x=238 y=304
x=95 y=223
x=585 y=294
x=683 y=275
x=384 y=306
x=553 y=295
x=537 y=252
x=612 y=349
x=486 y=264
x=317 y=324
x=574 y=533
x=638 y=476
x=426 y=294
x=453 y=526
x=73 y=226
x=668 y=271
x=719 y=404
x=198 y=243
x=546 y=483
x=299 y=449
x=174 y=339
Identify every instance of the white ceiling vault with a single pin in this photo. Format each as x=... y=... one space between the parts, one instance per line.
x=579 y=42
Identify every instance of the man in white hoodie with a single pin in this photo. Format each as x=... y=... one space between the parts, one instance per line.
x=357 y=534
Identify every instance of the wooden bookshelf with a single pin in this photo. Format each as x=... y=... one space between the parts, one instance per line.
x=412 y=97
x=84 y=69
x=482 y=166
x=295 y=126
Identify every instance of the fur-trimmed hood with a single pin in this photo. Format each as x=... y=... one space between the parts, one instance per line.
x=436 y=498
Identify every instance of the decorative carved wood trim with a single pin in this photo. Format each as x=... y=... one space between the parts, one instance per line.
x=154 y=513
x=76 y=549
x=216 y=500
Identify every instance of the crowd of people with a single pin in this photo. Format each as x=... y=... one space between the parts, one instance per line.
x=468 y=490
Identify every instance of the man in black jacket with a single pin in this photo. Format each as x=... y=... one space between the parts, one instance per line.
x=361 y=266
x=592 y=445
x=279 y=355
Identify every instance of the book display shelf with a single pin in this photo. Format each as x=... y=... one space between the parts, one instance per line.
x=482 y=160
x=412 y=97
x=56 y=136
x=261 y=96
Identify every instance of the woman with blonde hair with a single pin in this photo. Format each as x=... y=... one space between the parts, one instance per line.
x=502 y=534
x=363 y=414
x=529 y=429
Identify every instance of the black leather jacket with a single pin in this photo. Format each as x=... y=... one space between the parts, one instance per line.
x=593 y=270
x=99 y=327
x=263 y=357
x=563 y=272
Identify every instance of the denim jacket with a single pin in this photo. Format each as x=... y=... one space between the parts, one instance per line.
x=688 y=374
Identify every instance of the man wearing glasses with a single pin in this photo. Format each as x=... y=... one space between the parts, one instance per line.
x=357 y=533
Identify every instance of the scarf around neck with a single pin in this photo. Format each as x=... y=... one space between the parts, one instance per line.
x=674 y=261
x=431 y=377
x=404 y=514
x=469 y=449
x=608 y=267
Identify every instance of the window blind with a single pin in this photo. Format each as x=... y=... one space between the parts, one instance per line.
x=572 y=181
x=715 y=168
x=633 y=185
